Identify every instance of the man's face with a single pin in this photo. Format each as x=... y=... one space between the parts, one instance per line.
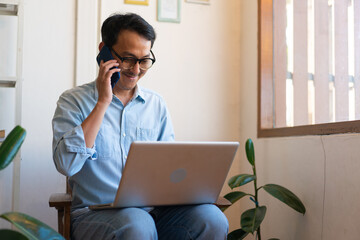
x=131 y=44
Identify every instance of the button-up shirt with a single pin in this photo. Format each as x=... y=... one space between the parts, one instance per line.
x=94 y=173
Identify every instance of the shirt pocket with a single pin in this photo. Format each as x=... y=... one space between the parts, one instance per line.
x=107 y=142
x=146 y=134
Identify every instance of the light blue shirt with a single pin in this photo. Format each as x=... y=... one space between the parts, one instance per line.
x=94 y=173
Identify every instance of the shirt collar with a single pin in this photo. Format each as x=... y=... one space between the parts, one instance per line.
x=138 y=94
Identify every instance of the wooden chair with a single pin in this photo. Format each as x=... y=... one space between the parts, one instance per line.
x=62 y=203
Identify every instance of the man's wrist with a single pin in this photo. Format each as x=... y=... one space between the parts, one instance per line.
x=102 y=105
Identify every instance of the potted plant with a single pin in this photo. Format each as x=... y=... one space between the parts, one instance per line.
x=252 y=218
x=29 y=227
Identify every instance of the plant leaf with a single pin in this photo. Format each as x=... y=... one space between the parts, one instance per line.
x=241 y=179
x=286 y=196
x=273 y=239
x=232 y=197
x=252 y=218
x=235 y=196
x=237 y=234
x=11 y=146
x=250 y=152
x=11 y=234
x=31 y=227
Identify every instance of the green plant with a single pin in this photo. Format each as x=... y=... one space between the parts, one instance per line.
x=30 y=227
x=252 y=218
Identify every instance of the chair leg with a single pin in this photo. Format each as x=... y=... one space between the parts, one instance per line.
x=64 y=221
x=67 y=223
x=60 y=220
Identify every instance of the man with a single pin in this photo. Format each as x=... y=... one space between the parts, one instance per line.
x=93 y=127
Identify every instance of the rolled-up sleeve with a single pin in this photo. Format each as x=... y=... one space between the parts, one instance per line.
x=69 y=148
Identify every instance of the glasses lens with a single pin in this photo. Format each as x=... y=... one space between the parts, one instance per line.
x=146 y=64
x=128 y=63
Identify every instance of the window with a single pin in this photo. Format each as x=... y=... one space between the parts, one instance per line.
x=309 y=67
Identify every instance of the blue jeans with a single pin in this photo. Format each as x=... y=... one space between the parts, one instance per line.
x=204 y=221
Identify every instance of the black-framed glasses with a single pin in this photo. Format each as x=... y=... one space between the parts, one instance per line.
x=130 y=62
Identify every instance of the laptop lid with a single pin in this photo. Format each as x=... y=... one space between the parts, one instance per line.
x=174 y=173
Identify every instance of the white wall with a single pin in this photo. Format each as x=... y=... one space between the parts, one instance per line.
x=322 y=171
x=197 y=71
x=48 y=71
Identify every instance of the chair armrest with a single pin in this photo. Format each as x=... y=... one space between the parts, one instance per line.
x=62 y=203
x=60 y=200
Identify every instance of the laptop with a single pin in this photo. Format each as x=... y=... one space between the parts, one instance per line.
x=173 y=173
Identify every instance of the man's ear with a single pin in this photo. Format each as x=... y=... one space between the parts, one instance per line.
x=101 y=44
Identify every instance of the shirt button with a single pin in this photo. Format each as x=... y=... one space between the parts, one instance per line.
x=124 y=134
x=125 y=157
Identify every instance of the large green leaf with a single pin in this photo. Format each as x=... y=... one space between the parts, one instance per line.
x=237 y=234
x=11 y=146
x=286 y=196
x=250 y=152
x=252 y=218
x=31 y=227
x=11 y=235
x=241 y=179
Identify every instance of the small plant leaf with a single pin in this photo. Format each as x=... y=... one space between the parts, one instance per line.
x=232 y=197
x=250 y=152
x=286 y=196
x=241 y=179
x=11 y=146
x=237 y=234
x=235 y=196
x=31 y=227
x=11 y=234
x=252 y=218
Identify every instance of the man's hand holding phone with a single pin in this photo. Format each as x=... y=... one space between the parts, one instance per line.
x=103 y=82
x=109 y=74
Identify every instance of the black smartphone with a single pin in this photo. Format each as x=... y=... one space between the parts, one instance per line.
x=105 y=55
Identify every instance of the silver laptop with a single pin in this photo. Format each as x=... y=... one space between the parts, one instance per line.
x=173 y=173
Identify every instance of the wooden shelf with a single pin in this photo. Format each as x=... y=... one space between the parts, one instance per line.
x=2 y=135
x=9 y=7
x=8 y=82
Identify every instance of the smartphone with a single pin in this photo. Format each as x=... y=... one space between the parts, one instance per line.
x=105 y=55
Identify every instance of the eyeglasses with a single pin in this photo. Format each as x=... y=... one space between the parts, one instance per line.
x=130 y=62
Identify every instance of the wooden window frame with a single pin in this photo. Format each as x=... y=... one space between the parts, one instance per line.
x=265 y=87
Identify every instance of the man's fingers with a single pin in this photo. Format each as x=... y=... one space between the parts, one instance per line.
x=105 y=67
x=111 y=72
x=107 y=63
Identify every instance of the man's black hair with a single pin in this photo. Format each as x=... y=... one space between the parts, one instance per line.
x=116 y=23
